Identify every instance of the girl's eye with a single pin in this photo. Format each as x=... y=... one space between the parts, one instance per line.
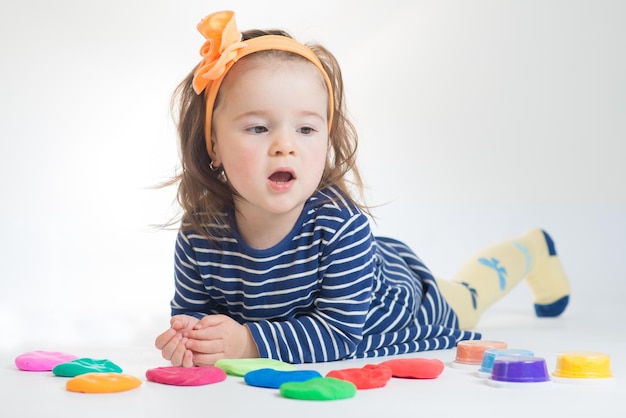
x=306 y=130
x=257 y=129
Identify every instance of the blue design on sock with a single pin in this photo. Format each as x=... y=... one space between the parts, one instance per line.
x=526 y=253
x=549 y=243
x=494 y=263
x=552 y=309
x=473 y=293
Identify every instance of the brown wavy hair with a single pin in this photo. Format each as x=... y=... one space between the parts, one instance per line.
x=203 y=197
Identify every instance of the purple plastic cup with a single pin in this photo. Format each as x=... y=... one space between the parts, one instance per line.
x=519 y=369
x=491 y=355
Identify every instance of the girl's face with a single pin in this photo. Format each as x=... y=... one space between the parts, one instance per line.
x=271 y=135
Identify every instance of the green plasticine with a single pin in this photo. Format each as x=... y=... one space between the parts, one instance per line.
x=85 y=365
x=319 y=389
x=239 y=367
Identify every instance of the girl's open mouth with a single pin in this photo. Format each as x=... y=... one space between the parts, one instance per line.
x=281 y=177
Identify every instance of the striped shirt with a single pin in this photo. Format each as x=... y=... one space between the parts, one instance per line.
x=329 y=290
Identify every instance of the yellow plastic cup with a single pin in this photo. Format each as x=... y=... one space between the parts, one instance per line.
x=582 y=365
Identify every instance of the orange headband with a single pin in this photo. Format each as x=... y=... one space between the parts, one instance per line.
x=223 y=47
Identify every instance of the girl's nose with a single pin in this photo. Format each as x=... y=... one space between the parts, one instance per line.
x=282 y=144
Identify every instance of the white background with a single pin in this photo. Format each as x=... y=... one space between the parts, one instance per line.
x=477 y=120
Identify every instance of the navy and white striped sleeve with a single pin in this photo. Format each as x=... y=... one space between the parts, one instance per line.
x=334 y=327
x=190 y=295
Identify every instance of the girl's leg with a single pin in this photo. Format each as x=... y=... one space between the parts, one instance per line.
x=494 y=271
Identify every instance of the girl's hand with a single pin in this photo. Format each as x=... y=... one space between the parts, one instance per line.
x=172 y=342
x=219 y=336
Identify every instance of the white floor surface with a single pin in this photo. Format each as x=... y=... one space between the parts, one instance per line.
x=455 y=392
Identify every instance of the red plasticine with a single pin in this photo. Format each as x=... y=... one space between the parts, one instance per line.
x=415 y=368
x=368 y=377
x=181 y=376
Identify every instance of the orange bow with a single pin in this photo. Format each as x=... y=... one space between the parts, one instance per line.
x=223 y=39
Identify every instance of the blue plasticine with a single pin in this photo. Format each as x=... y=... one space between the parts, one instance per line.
x=271 y=378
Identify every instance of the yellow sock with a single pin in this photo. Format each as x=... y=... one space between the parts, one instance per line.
x=549 y=283
x=494 y=271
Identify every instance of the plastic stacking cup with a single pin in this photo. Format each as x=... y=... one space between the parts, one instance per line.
x=582 y=367
x=490 y=355
x=469 y=354
x=516 y=370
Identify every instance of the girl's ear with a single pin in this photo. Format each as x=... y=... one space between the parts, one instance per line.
x=214 y=154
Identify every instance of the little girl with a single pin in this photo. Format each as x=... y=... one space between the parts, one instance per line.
x=275 y=257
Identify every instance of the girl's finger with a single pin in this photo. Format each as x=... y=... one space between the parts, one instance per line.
x=206 y=359
x=205 y=346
